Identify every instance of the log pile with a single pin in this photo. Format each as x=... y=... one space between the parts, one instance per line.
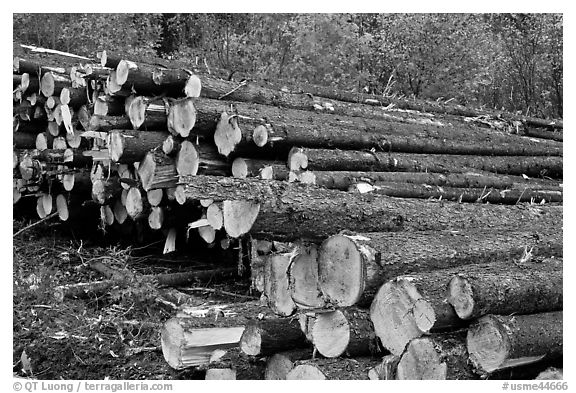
x=386 y=242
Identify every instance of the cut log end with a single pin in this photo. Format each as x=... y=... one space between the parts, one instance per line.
x=193 y=87
x=340 y=270
x=62 y=207
x=220 y=374
x=239 y=216
x=461 y=297
x=134 y=205
x=137 y=111
x=182 y=117
x=304 y=278
x=487 y=345
x=421 y=362
x=214 y=216
x=305 y=372
x=277 y=367
x=251 y=341
x=227 y=134
x=400 y=314
x=297 y=160
x=187 y=160
x=172 y=340
x=260 y=135
x=239 y=168
x=116 y=145
x=331 y=333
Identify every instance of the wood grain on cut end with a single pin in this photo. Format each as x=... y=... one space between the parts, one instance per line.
x=340 y=271
x=181 y=117
x=304 y=287
x=193 y=86
x=62 y=207
x=187 y=160
x=305 y=372
x=227 y=134
x=331 y=333
x=260 y=135
x=461 y=296
x=239 y=216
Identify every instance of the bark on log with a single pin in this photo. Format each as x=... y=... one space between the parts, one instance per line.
x=437 y=357
x=411 y=306
x=421 y=105
x=157 y=170
x=128 y=146
x=467 y=195
x=343 y=180
x=190 y=341
x=290 y=211
x=148 y=114
x=352 y=267
x=108 y=123
x=269 y=336
x=275 y=172
x=544 y=134
x=491 y=289
x=335 y=160
x=496 y=342
x=23 y=140
x=338 y=369
x=347 y=332
x=106 y=105
x=154 y=80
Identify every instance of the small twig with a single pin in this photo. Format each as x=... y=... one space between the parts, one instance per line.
x=212 y=290
x=243 y=83
x=520 y=197
x=36 y=223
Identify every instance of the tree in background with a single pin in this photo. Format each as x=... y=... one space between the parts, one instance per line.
x=503 y=61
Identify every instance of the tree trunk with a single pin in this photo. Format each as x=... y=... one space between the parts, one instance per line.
x=106 y=105
x=492 y=289
x=336 y=160
x=23 y=140
x=544 y=134
x=437 y=357
x=291 y=211
x=409 y=307
x=108 y=123
x=343 y=180
x=496 y=342
x=157 y=170
x=338 y=369
x=421 y=105
x=345 y=332
x=274 y=172
x=269 y=336
x=128 y=146
x=153 y=80
x=468 y=195
x=352 y=267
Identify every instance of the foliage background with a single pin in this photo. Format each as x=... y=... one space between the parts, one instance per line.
x=502 y=61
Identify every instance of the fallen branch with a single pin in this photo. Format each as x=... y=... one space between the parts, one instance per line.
x=218 y=291
x=36 y=223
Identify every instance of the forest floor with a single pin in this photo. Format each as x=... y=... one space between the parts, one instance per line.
x=114 y=336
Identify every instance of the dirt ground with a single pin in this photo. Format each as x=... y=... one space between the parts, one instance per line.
x=114 y=336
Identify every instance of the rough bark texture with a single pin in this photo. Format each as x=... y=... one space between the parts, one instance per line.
x=299 y=211
x=335 y=160
x=107 y=123
x=469 y=195
x=157 y=170
x=504 y=290
x=351 y=268
x=269 y=336
x=439 y=357
x=128 y=146
x=343 y=180
x=496 y=342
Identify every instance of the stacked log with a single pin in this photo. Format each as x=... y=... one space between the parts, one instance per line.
x=384 y=243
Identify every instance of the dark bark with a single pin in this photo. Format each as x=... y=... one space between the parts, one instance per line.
x=349 y=160
x=353 y=267
x=269 y=336
x=343 y=180
x=496 y=342
x=129 y=146
x=470 y=195
x=289 y=211
x=335 y=369
x=505 y=290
